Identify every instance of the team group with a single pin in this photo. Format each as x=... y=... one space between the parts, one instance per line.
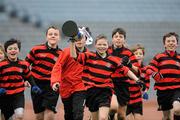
x=111 y=81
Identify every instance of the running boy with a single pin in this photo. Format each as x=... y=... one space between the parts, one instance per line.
x=135 y=105
x=13 y=72
x=42 y=59
x=67 y=76
x=165 y=69
x=121 y=82
x=98 y=68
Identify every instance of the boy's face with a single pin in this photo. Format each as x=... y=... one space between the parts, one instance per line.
x=118 y=40
x=81 y=43
x=2 y=56
x=53 y=36
x=139 y=54
x=12 y=52
x=101 y=46
x=170 y=43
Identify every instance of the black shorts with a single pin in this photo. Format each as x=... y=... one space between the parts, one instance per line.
x=135 y=108
x=165 y=98
x=47 y=100
x=98 y=97
x=122 y=93
x=8 y=113
x=74 y=106
x=8 y=103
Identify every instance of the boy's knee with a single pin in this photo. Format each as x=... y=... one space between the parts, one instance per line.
x=177 y=112
x=19 y=113
x=40 y=116
x=176 y=108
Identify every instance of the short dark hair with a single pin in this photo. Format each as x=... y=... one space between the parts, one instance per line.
x=53 y=27
x=101 y=36
x=120 y=31
x=136 y=47
x=169 y=35
x=10 y=42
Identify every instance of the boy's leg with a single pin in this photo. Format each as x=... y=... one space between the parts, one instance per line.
x=94 y=115
x=137 y=110
x=7 y=109
x=130 y=117
x=164 y=99
x=18 y=105
x=138 y=116
x=113 y=107
x=68 y=114
x=176 y=105
x=123 y=95
x=129 y=112
x=78 y=105
x=167 y=115
x=122 y=112
x=103 y=113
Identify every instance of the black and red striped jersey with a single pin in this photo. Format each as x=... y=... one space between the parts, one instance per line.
x=97 y=70
x=144 y=76
x=120 y=53
x=13 y=74
x=169 y=67
x=67 y=71
x=42 y=59
x=135 y=90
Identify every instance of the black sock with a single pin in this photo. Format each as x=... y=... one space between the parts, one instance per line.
x=176 y=117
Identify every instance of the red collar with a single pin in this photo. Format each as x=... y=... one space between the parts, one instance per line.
x=171 y=53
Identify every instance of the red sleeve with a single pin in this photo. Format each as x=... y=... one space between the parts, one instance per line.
x=56 y=73
x=30 y=57
x=145 y=77
x=153 y=66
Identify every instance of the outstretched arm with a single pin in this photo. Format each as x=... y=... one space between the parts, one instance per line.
x=73 y=50
x=132 y=75
x=137 y=80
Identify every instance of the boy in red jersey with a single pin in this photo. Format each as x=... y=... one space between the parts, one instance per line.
x=135 y=106
x=165 y=69
x=67 y=76
x=121 y=82
x=13 y=72
x=42 y=59
x=98 y=68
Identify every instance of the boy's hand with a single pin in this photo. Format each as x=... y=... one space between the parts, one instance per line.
x=141 y=84
x=145 y=96
x=27 y=84
x=35 y=89
x=55 y=86
x=71 y=39
x=2 y=91
x=126 y=62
